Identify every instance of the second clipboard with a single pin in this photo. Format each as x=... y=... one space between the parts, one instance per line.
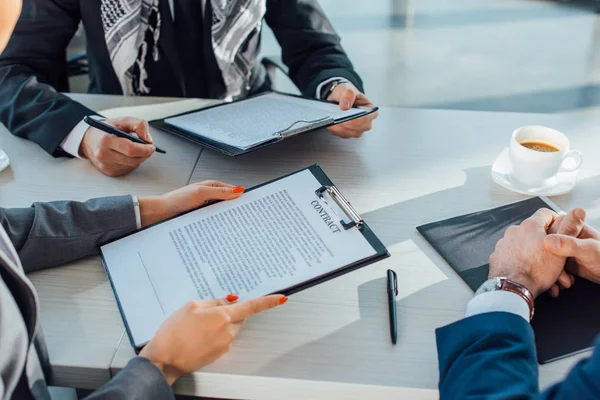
x=294 y=128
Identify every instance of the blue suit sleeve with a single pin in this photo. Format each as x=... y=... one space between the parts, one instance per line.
x=487 y=356
x=582 y=383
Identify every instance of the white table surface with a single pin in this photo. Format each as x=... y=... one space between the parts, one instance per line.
x=416 y=166
x=79 y=317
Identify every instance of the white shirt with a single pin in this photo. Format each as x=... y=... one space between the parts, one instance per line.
x=498 y=301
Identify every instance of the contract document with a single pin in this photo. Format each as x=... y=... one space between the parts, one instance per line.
x=281 y=237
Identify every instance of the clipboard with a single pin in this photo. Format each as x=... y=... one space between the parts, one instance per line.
x=295 y=128
x=349 y=220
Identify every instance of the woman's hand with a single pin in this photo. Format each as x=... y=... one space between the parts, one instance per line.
x=158 y=208
x=201 y=332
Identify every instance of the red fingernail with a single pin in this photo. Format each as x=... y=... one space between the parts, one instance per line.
x=232 y=297
x=238 y=189
x=283 y=300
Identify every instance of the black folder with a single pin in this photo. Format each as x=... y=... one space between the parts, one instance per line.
x=563 y=326
x=351 y=220
x=291 y=130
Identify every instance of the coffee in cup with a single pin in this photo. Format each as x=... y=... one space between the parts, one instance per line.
x=538 y=153
x=539 y=146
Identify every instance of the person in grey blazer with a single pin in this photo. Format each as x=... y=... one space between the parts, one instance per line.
x=50 y=234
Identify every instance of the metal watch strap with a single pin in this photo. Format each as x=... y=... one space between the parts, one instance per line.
x=329 y=88
x=516 y=288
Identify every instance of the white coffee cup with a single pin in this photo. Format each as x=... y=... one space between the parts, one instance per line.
x=533 y=167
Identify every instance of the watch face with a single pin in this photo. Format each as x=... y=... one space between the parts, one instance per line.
x=489 y=286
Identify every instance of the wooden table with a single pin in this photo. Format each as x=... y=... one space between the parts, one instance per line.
x=330 y=341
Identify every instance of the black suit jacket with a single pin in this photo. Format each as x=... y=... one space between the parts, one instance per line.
x=33 y=67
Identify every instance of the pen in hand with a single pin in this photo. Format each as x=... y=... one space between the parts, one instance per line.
x=392 y=292
x=94 y=123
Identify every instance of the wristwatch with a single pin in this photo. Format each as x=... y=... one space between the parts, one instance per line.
x=506 y=284
x=328 y=88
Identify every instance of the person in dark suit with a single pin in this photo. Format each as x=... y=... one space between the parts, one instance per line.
x=178 y=48
x=491 y=353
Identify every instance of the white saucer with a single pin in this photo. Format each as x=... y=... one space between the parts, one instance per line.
x=562 y=183
x=4 y=161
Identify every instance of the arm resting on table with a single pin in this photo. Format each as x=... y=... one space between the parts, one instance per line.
x=582 y=383
x=139 y=380
x=51 y=234
x=487 y=356
x=492 y=356
x=33 y=69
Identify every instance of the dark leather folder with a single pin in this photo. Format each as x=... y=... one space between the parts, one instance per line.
x=563 y=326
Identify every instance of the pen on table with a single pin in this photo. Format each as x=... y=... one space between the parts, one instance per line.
x=94 y=123
x=392 y=292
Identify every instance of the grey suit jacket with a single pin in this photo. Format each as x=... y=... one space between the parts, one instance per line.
x=43 y=236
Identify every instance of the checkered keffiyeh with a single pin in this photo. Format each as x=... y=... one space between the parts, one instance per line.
x=235 y=32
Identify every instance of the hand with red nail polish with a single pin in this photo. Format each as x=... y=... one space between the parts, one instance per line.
x=201 y=332
x=232 y=297
x=158 y=208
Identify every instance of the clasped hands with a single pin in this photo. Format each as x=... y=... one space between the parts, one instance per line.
x=546 y=251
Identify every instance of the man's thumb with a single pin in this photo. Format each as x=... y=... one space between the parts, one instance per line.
x=348 y=99
x=562 y=245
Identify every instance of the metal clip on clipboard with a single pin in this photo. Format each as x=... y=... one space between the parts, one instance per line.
x=314 y=124
x=343 y=204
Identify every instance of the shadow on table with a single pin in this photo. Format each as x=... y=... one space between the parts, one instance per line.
x=459 y=200
x=411 y=363
x=414 y=359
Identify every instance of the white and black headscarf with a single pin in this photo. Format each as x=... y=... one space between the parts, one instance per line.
x=235 y=31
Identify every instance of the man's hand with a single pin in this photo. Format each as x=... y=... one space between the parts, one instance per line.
x=581 y=244
x=200 y=332
x=158 y=208
x=570 y=225
x=347 y=95
x=521 y=257
x=115 y=156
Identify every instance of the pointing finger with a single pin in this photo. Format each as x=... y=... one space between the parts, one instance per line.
x=240 y=311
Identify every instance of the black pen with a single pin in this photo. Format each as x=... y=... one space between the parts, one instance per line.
x=392 y=292
x=94 y=123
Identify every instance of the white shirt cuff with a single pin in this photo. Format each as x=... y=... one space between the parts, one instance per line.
x=498 y=301
x=136 y=209
x=72 y=142
x=337 y=78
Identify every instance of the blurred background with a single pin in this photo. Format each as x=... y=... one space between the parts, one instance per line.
x=494 y=55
